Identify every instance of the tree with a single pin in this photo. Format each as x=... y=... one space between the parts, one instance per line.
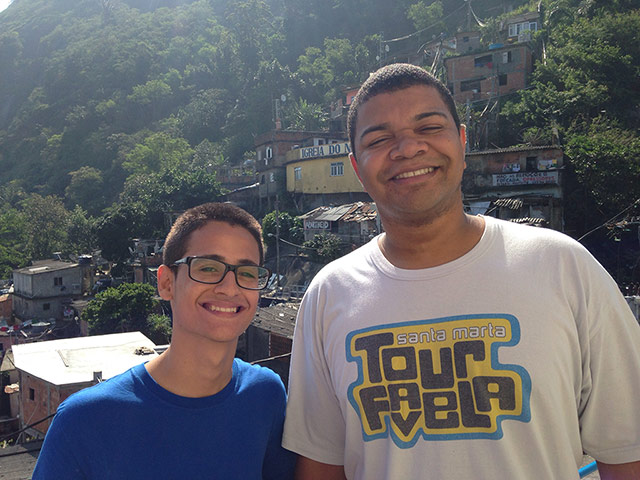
x=13 y=242
x=157 y=151
x=158 y=329
x=46 y=222
x=426 y=16
x=306 y=116
x=81 y=235
x=324 y=247
x=86 y=189
x=291 y=228
x=124 y=308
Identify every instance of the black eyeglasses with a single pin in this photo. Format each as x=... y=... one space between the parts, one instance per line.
x=212 y=271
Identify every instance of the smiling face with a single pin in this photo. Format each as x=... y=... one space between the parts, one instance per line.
x=220 y=312
x=410 y=155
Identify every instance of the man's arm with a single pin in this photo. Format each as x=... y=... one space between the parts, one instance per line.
x=307 y=469
x=622 y=471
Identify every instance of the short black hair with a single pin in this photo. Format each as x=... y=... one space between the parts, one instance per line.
x=175 y=244
x=391 y=78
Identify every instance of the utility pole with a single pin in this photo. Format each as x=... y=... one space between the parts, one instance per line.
x=277 y=204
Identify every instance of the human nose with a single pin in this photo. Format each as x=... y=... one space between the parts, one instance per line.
x=228 y=284
x=408 y=145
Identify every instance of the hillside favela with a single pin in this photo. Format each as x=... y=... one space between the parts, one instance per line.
x=117 y=116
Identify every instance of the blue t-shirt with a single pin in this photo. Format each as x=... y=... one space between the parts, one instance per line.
x=131 y=427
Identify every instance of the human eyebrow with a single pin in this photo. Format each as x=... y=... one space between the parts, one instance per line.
x=373 y=128
x=422 y=116
x=244 y=261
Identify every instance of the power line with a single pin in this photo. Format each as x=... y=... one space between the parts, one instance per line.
x=426 y=28
x=6 y=437
x=605 y=224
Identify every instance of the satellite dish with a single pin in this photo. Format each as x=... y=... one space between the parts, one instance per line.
x=283 y=98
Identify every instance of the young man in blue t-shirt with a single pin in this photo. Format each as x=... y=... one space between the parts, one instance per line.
x=194 y=411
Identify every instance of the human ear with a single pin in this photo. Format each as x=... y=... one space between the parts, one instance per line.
x=166 y=281
x=354 y=165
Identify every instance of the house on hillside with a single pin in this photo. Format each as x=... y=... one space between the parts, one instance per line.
x=520 y=184
x=483 y=75
x=271 y=151
x=322 y=175
x=354 y=223
x=46 y=289
x=49 y=372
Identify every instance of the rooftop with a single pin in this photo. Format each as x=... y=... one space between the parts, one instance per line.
x=45 y=266
x=279 y=319
x=523 y=148
x=73 y=360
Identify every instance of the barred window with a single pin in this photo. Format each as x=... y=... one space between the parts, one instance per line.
x=337 y=169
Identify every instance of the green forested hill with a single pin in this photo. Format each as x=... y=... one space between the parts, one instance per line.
x=110 y=110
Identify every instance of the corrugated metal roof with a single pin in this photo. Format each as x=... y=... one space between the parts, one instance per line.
x=530 y=221
x=313 y=213
x=515 y=149
x=511 y=203
x=334 y=213
x=350 y=212
x=73 y=360
x=361 y=212
x=279 y=319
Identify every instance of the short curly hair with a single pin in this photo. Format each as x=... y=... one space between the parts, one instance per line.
x=391 y=78
x=175 y=244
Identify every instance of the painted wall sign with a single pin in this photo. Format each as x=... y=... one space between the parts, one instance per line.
x=316 y=225
x=525 y=178
x=324 y=150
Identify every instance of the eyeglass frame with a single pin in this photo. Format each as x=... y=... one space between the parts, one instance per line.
x=227 y=268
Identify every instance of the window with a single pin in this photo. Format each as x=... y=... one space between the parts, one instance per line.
x=268 y=153
x=516 y=29
x=297 y=173
x=46 y=306
x=272 y=177
x=506 y=57
x=337 y=169
x=57 y=281
x=32 y=394
x=502 y=79
x=484 y=61
x=532 y=164
x=465 y=39
x=470 y=85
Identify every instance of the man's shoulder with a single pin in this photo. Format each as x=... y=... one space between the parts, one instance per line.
x=258 y=380
x=257 y=374
x=113 y=391
x=521 y=233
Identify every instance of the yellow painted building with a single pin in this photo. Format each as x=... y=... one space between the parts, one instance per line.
x=324 y=169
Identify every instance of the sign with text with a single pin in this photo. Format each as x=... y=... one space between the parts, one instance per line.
x=333 y=149
x=525 y=178
x=316 y=225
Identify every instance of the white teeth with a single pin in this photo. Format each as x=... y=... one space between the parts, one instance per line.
x=213 y=308
x=422 y=171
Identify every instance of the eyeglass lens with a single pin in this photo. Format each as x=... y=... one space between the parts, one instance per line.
x=207 y=270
